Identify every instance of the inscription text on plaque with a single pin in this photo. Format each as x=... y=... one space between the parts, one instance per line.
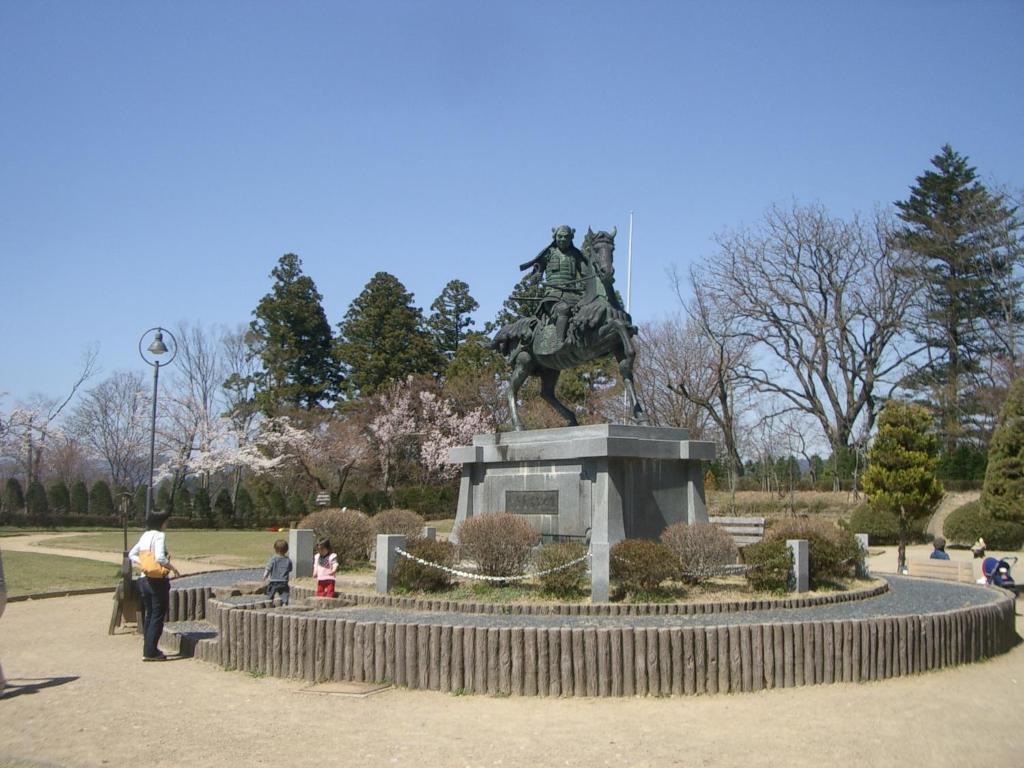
x=531 y=502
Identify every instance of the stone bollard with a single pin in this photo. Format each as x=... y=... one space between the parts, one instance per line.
x=863 y=571
x=599 y=571
x=387 y=559
x=429 y=532
x=300 y=551
x=799 y=577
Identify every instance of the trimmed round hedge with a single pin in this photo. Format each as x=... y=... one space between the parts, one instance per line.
x=968 y=523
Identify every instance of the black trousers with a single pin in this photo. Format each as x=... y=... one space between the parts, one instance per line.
x=156 y=596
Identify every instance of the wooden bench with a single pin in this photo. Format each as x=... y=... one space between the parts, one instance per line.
x=744 y=530
x=947 y=570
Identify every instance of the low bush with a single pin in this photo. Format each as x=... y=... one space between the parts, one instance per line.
x=566 y=582
x=881 y=527
x=701 y=549
x=969 y=522
x=832 y=552
x=770 y=563
x=639 y=565
x=403 y=521
x=414 y=576
x=499 y=544
x=349 y=530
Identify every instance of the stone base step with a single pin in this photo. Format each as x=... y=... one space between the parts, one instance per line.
x=181 y=637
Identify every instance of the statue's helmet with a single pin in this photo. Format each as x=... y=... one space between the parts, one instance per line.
x=564 y=229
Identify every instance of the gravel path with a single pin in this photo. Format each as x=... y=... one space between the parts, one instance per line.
x=905 y=597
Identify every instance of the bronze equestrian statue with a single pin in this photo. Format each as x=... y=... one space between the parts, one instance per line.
x=579 y=318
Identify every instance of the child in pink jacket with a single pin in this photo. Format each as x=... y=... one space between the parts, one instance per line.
x=325 y=565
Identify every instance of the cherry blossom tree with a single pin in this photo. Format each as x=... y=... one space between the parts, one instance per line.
x=444 y=428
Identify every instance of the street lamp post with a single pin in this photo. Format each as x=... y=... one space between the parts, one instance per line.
x=155 y=349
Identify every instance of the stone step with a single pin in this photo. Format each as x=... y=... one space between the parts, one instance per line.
x=182 y=637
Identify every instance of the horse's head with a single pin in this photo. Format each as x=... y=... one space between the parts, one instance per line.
x=602 y=248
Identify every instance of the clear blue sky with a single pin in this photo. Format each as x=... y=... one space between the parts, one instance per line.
x=156 y=159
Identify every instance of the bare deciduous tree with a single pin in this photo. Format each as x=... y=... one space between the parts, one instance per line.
x=112 y=419
x=821 y=303
x=672 y=353
x=714 y=381
x=192 y=403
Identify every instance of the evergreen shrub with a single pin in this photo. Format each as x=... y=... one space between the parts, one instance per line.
x=202 y=511
x=36 y=504
x=223 y=508
x=566 y=582
x=969 y=522
x=414 y=576
x=881 y=525
x=349 y=530
x=832 y=552
x=59 y=497
x=80 y=498
x=639 y=565
x=1003 y=491
x=771 y=562
x=434 y=502
x=701 y=550
x=14 y=498
x=499 y=544
x=100 y=501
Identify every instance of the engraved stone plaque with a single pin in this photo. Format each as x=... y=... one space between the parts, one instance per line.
x=531 y=502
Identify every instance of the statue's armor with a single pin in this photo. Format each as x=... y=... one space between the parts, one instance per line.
x=561 y=273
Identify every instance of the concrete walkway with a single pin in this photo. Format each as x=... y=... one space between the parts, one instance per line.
x=950 y=502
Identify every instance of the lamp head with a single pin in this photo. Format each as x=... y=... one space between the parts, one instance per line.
x=158 y=347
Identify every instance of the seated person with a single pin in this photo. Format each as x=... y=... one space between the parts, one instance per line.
x=939 y=553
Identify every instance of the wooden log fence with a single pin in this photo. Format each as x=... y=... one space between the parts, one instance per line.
x=619 y=661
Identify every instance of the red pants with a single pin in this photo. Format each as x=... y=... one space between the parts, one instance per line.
x=325 y=588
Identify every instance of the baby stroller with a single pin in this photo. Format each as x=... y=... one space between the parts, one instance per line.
x=997 y=573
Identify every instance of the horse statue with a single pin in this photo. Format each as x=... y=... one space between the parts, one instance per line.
x=598 y=326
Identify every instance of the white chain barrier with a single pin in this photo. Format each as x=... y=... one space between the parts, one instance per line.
x=481 y=577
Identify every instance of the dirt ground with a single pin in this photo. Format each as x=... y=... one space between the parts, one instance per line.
x=80 y=697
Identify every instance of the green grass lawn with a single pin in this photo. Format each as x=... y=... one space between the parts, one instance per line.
x=29 y=574
x=241 y=548
x=442 y=526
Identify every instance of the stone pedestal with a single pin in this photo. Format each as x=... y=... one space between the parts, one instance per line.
x=301 y=542
x=800 y=576
x=599 y=483
x=387 y=559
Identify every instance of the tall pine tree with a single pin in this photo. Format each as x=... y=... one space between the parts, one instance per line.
x=383 y=338
x=449 y=321
x=961 y=244
x=292 y=338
